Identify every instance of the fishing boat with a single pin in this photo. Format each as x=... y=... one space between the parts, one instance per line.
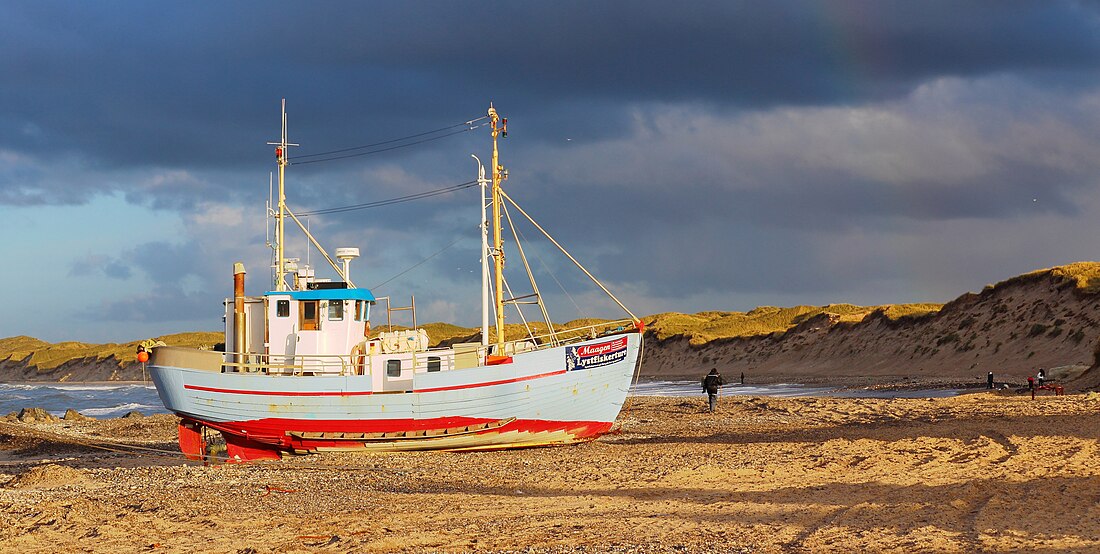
x=302 y=371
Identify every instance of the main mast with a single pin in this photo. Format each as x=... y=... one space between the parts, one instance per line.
x=500 y=127
x=280 y=218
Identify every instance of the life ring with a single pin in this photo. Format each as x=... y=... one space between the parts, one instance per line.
x=358 y=360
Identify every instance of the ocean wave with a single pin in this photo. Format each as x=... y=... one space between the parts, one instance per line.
x=10 y=386
x=122 y=408
x=95 y=387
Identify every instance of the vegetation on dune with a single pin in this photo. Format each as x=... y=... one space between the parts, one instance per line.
x=898 y=311
x=46 y=356
x=1085 y=274
x=705 y=327
x=18 y=348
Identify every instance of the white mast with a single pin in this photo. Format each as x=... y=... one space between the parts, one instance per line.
x=281 y=159
x=481 y=180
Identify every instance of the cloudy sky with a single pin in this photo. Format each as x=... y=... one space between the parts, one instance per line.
x=696 y=156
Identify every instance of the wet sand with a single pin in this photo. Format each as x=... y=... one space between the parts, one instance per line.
x=968 y=473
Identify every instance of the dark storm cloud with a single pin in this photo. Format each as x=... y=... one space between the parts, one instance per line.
x=194 y=85
x=681 y=150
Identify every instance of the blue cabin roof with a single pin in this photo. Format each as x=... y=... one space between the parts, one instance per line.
x=325 y=294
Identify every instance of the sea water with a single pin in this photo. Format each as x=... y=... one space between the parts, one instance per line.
x=92 y=400
x=114 y=400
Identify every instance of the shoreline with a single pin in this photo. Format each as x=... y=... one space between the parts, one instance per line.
x=64 y=383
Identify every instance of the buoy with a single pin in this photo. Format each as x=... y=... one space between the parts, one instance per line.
x=143 y=356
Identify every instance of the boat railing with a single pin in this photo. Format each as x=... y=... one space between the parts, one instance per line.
x=333 y=364
x=288 y=364
x=582 y=333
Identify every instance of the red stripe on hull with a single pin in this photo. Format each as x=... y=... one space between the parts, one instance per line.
x=366 y=393
x=273 y=431
x=491 y=383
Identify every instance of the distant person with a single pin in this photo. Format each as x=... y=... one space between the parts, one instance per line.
x=711 y=383
x=989 y=379
x=1042 y=376
x=742 y=377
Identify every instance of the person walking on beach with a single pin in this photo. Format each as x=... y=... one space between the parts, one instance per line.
x=742 y=377
x=711 y=383
x=1042 y=376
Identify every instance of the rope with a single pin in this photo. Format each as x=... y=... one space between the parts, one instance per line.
x=550 y=272
x=368 y=152
x=570 y=256
x=418 y=264
x=439 y=130
x=387 y=202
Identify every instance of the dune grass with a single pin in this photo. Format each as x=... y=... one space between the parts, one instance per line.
x=45 y=356
x=705 y=327
x=1085 y=274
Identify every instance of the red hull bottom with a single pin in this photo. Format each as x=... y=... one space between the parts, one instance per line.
x=265 y=439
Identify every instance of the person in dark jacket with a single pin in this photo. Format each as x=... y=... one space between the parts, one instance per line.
x=711 y=383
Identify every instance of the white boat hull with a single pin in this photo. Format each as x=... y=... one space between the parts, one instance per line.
x=550 y=396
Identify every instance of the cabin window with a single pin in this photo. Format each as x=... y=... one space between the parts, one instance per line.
x=359 y=312
x=433 y=363
x=282 y=308
x=336 y=310
x=393 y=368
x=309 y=320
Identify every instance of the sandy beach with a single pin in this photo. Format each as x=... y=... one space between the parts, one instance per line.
x=974 y=472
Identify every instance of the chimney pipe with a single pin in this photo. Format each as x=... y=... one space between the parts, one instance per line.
x=239 y=340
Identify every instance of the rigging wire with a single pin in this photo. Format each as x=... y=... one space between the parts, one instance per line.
x=387 y=202
x=372 y=145
x=418 y=264
x=550 y=272
x=387 y=149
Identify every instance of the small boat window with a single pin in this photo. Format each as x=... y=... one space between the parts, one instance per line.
x=360 y=313
x=393 y=368
x=282 y=308
x=433 y=363
x=309 y=320
x=336 y=310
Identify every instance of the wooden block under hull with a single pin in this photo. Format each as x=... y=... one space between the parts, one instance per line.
x=482 y=441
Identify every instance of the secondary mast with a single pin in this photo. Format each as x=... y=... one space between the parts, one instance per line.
x=500 y=128
x=280 y=217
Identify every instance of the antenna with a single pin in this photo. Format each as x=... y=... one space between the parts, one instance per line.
x=280 y=218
